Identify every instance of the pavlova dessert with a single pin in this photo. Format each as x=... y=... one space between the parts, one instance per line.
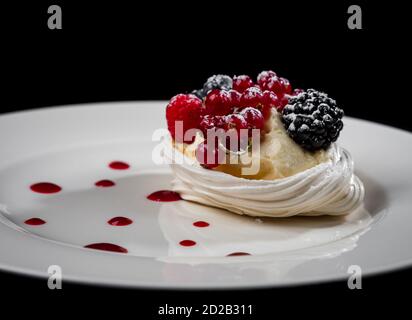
x=260 y=148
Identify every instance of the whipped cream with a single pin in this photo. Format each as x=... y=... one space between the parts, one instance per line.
x=329 y=188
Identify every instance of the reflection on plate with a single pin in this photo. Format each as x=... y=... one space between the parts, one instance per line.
x=223 y=234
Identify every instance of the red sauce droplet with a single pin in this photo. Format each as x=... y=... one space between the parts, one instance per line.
x=120 y=221
x=45 y=187
x=35 y=221
x=201 y=224
x=187 y=243
x=107 y=247
x=164 y=196
x=119 y=165
x=104 y=183
x=235 y=254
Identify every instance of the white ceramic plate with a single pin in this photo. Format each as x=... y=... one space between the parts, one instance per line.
x=72 y=147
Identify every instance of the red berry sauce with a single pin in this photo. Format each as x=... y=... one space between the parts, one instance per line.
x=120 y=221
x=236 y=254
x=187 y=243
x=119 y=165
x=201 y=224
x=107 y=247
x=35 y=222
x=104 y=183
x=164 y=196
x=45 y=187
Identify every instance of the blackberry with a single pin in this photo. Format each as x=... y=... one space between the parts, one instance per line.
x=199 y=93
x=312 y=119
x=220 y=81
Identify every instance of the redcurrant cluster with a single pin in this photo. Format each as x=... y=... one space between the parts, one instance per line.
x=231 y=104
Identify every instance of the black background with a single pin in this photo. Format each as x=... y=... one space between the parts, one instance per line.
x=144 y=51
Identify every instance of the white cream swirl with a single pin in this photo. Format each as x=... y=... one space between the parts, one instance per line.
x=329 y=188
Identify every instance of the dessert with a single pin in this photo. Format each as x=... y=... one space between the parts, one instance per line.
x=261 y=148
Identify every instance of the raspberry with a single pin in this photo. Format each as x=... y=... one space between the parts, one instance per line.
x=251 y=97
x=186 y=108
x=241 y=83
x=218 y=102
x=253 y=117
x=209 y=156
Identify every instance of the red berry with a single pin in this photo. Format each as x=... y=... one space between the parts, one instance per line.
x=209 y=122
x=235 y=124
x=274 y=85
x=251 y=97
x=234 y=98
x=186 y=108
x=209 y=156
x=241 y=83
x=297 y=91
x=269 y=100
x=235 y=121
x=287 y=88
x=218 y=102
x=253 y=117
x=265 y=110
x=283 y=102
x=264 y=77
